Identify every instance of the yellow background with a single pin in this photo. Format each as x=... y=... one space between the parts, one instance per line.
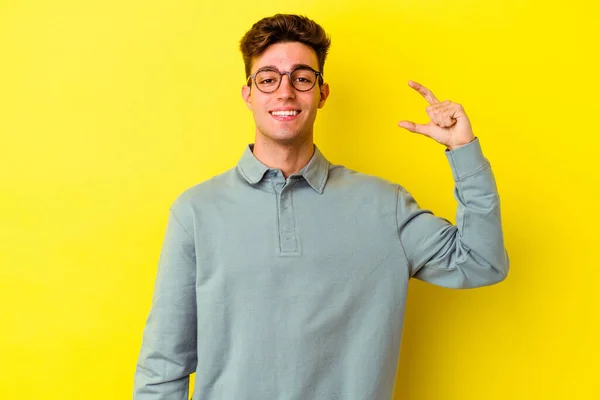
x=110 y=109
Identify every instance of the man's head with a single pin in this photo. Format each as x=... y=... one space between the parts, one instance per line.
x=285 y=106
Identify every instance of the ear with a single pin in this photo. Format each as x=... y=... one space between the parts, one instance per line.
x=324 y=91
x=246 y=96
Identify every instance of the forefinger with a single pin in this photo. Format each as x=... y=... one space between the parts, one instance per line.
x=429 y=96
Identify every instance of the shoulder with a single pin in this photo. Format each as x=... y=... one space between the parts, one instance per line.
x=187 y=203
x=343 y=178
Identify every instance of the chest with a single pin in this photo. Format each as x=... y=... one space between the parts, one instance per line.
x=296 y=245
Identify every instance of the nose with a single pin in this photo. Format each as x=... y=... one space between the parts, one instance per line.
x=286 y=90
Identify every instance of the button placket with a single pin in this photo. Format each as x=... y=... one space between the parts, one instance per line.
x=288 y=240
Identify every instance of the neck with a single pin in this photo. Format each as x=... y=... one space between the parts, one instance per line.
x=289 y=158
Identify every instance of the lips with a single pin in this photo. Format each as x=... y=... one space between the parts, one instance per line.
x=285 y=114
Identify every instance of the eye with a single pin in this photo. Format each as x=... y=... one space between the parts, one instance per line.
x=267 y=77
x=303 y=76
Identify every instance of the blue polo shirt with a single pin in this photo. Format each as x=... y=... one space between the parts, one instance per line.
x=295 y=289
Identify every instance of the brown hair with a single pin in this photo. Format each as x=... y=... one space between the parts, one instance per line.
x=284 y=28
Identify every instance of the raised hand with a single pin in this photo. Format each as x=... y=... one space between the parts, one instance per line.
x=449 y=123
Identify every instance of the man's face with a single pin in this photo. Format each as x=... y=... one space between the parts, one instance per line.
x=279 y=128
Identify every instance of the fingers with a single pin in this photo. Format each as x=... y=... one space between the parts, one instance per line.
x=426 y=93
x=442 y=114
x=415 y=128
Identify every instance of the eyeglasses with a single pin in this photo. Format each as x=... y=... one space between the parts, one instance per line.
x=268 y=80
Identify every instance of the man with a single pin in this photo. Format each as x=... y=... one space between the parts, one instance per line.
x=286 y=276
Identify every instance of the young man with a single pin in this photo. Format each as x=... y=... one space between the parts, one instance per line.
x=286 y=276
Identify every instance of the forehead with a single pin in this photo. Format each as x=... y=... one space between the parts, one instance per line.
x=285 y=55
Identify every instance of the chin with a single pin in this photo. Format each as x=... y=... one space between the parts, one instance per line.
x=285 y=137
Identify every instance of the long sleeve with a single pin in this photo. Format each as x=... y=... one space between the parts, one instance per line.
x=168 y=353
x=470 y=253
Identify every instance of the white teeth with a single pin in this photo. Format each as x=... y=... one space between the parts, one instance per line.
x=285 y=113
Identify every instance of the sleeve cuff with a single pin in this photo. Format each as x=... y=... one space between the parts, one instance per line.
x=466 y=160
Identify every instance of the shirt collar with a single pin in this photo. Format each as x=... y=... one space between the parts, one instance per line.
x=315 y=172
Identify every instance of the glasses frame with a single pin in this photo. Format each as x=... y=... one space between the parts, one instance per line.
x=318 y=77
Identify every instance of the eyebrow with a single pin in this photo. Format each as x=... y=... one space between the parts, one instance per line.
x=293 y=67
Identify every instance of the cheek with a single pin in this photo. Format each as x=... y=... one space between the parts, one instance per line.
x=313 y=103
x=258 y=100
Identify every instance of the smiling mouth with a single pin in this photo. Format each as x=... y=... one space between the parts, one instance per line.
x=285 y=114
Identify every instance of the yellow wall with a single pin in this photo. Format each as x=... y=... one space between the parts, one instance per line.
x=109 y=109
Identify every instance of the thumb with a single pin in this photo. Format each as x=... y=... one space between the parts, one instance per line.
x=415 y=128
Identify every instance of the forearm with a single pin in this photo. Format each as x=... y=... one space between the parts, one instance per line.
x=470 y=253
x=478 y=216
x=168 y=353
x=151 y=384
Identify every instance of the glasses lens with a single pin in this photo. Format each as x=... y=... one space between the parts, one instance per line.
x=303 y=79
x=267 y=80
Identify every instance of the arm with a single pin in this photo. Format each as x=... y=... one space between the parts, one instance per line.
x=168 y=353
x=470 y=254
